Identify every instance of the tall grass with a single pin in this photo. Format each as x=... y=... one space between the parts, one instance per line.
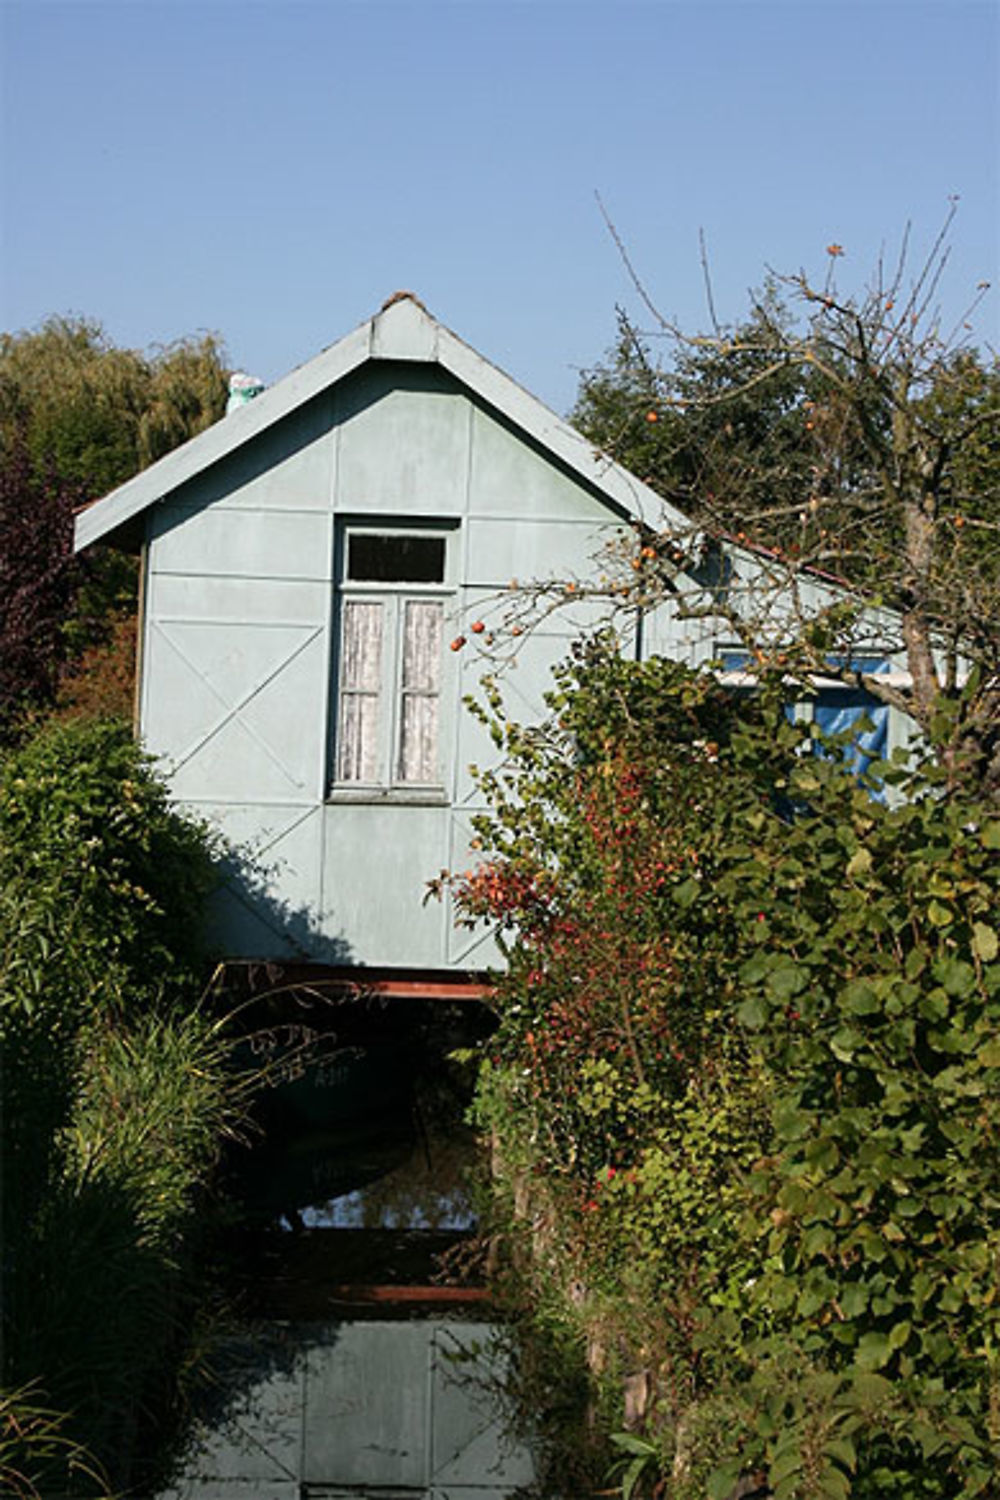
x=33 y=1443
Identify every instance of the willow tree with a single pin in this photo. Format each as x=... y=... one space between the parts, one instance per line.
x=99 y=413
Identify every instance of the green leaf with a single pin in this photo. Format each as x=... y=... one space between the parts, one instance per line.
x=985 y=944
x=786 y=980
x=988 y=1055
x=940 y=915
x=859 y=863
x=834 y=1484
x=931 y=1439
x=844 y=1043
x=632 y=1476
x=722 y=1479
x=752 y=1013
x=958 y=977
x=753 y=971
x=860 y=998
x=899 y=1333
x=915 y=963
x=787 y=1462
x=854 y=1299
x=790 y=1123
x=868 y=1389
x=873 y=1350
x=934 y=1006
x=687 y=892
x=629 y=1443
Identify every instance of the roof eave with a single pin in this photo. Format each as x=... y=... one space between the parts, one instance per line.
x=403 y=330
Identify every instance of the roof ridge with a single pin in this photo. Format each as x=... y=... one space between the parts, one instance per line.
x=404 y=296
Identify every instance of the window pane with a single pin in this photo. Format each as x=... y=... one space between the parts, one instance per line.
x=418 y=732
x=360 y=687
x=422 y=645
x=357 y=746
x=373 y=557
x=418 y=739
x=361 y=662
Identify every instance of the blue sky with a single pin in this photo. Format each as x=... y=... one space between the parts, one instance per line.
x=273 y=171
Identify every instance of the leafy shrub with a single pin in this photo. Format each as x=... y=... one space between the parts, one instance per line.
x=87 y=827
x=746 y=1086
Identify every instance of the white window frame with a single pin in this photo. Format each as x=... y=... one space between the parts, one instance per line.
x=387 y=784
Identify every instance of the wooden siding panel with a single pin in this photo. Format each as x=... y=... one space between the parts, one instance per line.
x=467 y=948
x=184 y=596
x=238 y=711
x=248 y=544
x=266 y=906
x=404 y=453
x=290 y=467
x=366 y=1407
x=377 y=860
x=511 y=479
x=470 y=1452
x=254 y=1448
x=529 y=549
x=689 y=641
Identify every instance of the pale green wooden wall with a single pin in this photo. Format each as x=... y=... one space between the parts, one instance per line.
x=240 y=611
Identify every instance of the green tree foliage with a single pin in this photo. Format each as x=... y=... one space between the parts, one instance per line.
x=834 y=433
x=717 y=429
x=98 y=413
x=78 y=417
x=116 y=1096
x=745 y=1091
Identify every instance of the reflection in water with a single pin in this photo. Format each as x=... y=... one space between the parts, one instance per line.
x=364 y=1131
x=428 y=1191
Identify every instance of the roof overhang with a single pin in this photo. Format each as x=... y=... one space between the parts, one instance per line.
x=402 y=331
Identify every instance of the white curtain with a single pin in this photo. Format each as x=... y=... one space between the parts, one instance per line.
x=421 y=684
x=360 y=691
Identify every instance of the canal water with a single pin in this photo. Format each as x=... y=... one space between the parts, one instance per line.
x=363 y=1362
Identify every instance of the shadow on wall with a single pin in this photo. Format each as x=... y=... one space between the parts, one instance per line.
x=243 y=1429
x=246 y=919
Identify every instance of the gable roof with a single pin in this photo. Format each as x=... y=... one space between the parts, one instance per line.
x=402 y=330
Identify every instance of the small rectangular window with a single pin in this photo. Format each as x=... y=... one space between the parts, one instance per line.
x=378 y=557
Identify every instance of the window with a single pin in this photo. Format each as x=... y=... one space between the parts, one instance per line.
x=393 y=594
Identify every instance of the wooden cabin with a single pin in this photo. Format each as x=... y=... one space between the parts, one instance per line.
x=307 y=563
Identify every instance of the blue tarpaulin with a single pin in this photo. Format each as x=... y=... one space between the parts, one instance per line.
x=836 y=713
x=836 y=710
